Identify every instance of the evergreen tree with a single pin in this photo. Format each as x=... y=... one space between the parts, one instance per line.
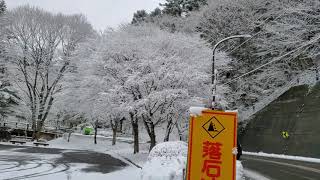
x=3 y=7
x=177 y=7
x=173 y=7
x=192 y=5
x=156 y=12
x=139 y=16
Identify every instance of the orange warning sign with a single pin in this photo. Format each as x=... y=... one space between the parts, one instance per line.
x=212 y=136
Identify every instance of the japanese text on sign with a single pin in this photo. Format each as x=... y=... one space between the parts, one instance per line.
x=211 y=153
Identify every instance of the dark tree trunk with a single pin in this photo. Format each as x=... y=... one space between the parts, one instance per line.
x=135 y=128
x=167 y=136
x=95 y=134
x=120 y=125
x=114 y=126
x=34 y=124
x=69 y=135
x=179 y=132
x=39 y=129
x=43 y=116
x=114 y=137
x=152 y=137
x=70 y=131
x=96 y=124
x=150 y=130
x=169 y=129
x=135 y=133
x=34 y=135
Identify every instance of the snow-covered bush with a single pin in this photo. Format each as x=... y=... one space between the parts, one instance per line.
x=166 y=161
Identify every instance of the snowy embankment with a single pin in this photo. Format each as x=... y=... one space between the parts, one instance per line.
x=254 y=175
x=282 y=156
x=86 y=142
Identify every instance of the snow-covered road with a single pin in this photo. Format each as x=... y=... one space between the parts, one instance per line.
x=19 y=162
x=279 y=169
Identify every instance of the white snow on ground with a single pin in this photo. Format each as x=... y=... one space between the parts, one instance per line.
x=73 y=173
x=282 y=156
x=239 y=171
x=167 y=160
x=85 y=142
x=41 y=166
x=121 y=150
x=125 y=174
x=254 y=175
x=82 y=142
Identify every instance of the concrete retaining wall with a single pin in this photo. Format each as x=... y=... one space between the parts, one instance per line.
x=296 y=111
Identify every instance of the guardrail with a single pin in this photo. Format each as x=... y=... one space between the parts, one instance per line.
x=16 y=125
x=27 y=127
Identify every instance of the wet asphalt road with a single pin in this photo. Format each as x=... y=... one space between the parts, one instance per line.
x=97 y=162
x=281 y=169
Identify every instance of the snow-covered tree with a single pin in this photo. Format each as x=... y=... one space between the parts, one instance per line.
x=84 y=86
x=287 y=30
x=156 y=71
x=141 y=75
x=39 y=46
x=116 y=112
x=284 y=30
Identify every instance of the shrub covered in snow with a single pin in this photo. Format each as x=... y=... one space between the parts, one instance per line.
x=166 y=161
x=169 y=150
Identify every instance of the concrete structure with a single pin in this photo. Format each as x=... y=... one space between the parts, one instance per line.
x=297 y=111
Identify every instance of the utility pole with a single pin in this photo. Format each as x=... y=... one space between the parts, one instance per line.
x=215 y=72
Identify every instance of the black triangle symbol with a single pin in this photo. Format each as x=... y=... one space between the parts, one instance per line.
x=212 y=127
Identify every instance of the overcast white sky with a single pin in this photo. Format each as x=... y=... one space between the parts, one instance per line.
x=101 y=13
